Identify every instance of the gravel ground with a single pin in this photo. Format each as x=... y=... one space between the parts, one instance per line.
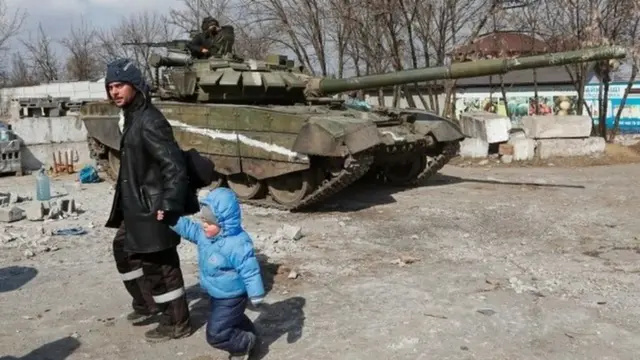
x=485 y=263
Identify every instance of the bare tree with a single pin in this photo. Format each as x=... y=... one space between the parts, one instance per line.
x=41 y=56
x=145 y=27
x=583 y=24
x=10 y=23
x=189 y=17
x=82 y=62
x=251 y=40
x=630 y=39
x=21 y=72
x=297 y=25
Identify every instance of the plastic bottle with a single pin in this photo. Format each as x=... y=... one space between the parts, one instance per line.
x=43 y=186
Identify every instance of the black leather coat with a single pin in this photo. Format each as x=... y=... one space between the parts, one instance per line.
x=153 y=176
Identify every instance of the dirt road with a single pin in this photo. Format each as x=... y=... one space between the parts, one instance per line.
x=485 y=263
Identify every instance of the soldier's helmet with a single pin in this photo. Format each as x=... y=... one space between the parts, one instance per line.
x=209 y=21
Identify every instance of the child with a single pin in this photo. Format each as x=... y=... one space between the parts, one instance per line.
x=229 y=271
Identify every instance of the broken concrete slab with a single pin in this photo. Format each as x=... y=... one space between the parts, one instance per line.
x=35 y=211
x=474 y=148
x=68 y=206
x=5 y=199
x=11 y=214
x=555 y=126
x=489 y=127
x=547 y=148
x=289 y=232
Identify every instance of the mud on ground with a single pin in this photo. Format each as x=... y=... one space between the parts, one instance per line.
x=484 y=263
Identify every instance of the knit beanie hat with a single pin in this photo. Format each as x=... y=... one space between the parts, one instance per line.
x=124 y=70
x=207 y=215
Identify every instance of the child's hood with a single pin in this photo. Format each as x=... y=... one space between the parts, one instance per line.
x=224 y=204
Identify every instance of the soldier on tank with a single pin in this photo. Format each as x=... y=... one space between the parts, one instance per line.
x=212 y=40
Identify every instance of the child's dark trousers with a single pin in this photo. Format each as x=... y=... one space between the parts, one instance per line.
x=228 y=327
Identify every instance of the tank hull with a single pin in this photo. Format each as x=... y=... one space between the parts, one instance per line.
x=293 y=157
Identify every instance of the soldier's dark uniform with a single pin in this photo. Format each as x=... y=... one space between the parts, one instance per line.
x=216 y=39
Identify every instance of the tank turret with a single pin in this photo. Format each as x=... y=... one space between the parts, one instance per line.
x=276 y=79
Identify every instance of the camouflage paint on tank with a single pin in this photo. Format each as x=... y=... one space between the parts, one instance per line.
x=272 y=123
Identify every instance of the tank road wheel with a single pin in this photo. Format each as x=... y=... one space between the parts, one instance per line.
x=405 y=172
x=245 y=186
x=114 y=164
x=290 y=189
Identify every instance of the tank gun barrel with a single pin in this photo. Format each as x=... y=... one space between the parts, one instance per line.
x=466 y=69
x=175 y=44
x=171 y=60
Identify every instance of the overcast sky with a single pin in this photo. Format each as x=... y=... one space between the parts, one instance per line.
x=57 y=16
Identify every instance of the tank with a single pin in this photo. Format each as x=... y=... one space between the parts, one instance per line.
x=280 y=138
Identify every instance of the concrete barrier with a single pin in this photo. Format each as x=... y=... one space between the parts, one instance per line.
x=557 y=126
x=548 y=148
x=488 y=127
x=42 y=137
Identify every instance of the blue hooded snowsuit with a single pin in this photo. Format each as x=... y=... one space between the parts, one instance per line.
x=229 y=271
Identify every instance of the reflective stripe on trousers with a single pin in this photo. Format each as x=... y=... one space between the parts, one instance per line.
x=132 y=275
x=169 y=296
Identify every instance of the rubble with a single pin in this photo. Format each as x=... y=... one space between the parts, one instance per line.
x=11 y=214
x=289 y=232
x=12 y=198
x=35 y=211
x=404 y=260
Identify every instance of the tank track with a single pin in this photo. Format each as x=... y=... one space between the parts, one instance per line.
x=434 y=163
x=356 y=167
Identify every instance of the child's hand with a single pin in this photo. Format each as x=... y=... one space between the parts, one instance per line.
x=160 y=215
x=254 y=303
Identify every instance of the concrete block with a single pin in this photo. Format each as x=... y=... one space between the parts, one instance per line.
x=517 y=134
x=46 y=130
x=489 y=127
x=68 y=206
x=289 y=232
x=35 y=211
x=523 y=149
x=5 y=199
x=556 y=126
x=506 y=159
x=474 y=148
x=11 y=214
x=547 y=148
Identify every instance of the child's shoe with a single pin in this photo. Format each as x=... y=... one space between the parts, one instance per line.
x=253 y=340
